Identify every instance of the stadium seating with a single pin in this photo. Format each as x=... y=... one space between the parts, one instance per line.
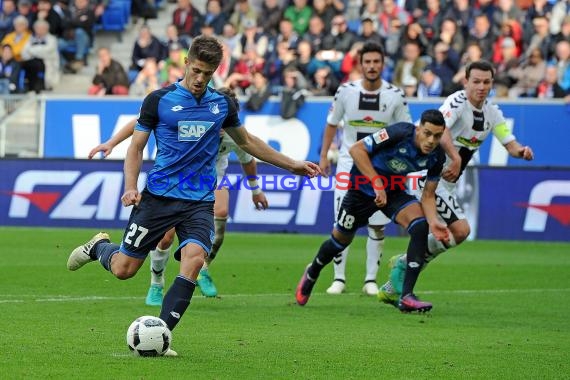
x=116 y=17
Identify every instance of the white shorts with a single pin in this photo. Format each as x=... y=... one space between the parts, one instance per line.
x=448 y=207
x=377 y=219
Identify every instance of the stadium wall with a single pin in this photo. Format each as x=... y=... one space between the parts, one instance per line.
x=71 y=128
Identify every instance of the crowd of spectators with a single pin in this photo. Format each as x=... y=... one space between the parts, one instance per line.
x=310 y=46
x=275 y=47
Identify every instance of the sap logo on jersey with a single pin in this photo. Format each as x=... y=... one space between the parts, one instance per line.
x=72 y=194
x=193 y=130
x=540 y=205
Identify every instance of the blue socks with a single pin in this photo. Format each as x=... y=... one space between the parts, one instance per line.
x=329 y=249
x=177 y=300
x=104 y=251
x=418 y=230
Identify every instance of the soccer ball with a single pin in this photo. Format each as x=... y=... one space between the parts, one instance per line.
x=148 y=336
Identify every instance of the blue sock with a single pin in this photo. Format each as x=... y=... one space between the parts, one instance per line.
x=177 y=300
x=328 y=250
x=418 y=231
x=104 y=251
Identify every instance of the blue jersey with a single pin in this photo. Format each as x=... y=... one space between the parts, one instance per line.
x=393 y=154
x=187 y=133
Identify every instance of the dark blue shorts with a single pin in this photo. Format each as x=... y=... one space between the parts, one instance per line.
x=357 y=207
x=155 y=215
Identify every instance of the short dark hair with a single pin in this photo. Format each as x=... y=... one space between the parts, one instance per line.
x=479 y=65
x=206 y=49
x=231 y=94
x=373 y=47
x=433 y=116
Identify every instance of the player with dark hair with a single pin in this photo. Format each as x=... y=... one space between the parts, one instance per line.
x=186 y=118
x=362 y=107
x=160 y=255
x=470 y=118
x=377 y=182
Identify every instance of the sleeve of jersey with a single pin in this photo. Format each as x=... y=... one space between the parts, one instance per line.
x=242 y=155
x=450 y=114
x=501 y=130
x=148 y=116
x=384 y=137
x=402 y=111
x=434 y=173
x=232 y=120
x=336 y=112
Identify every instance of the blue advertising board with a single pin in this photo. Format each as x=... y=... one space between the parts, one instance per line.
x=513 y=203
x=524 y=204
x=87 y=193
x=73 y=127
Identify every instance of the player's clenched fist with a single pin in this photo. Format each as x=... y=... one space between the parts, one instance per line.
x=131 y=197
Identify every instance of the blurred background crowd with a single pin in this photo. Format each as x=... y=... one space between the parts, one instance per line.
x=290 y=47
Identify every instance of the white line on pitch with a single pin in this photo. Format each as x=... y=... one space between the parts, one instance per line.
x=12 y=298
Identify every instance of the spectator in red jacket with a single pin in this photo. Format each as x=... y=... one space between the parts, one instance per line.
x=187 y=19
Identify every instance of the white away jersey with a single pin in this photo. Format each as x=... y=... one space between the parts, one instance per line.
x=470 y=126
x=227 y=145
x=364 y=112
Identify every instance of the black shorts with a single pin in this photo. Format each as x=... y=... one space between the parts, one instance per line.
x=357 y=207
x=154 y=216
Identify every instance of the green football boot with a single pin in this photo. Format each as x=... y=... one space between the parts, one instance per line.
x=206 y=284
x=398 y=271
x=154 y=295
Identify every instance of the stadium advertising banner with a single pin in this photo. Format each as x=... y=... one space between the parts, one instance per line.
x=83 y=193
x=524 y=204
x=512 y=204
x=73 y=127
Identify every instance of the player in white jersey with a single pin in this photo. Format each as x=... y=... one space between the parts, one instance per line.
x=470 y=118
x=159 y=256
x=221 y=204
x=362 y=107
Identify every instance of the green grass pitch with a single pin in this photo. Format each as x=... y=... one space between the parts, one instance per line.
x=501 y=311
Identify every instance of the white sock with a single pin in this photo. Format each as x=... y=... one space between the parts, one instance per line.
x=340 y=265
x=158 y=259
x=436 y=247
x=219 y=232
x=374 y=250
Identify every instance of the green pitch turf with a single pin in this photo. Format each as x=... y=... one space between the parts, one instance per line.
x=501 y=311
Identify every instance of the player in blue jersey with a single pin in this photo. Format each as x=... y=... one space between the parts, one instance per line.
x=377 y=182
x=186 y=118
x=160 y=255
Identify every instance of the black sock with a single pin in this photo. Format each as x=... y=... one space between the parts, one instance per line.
x=176 y=301
x=417 y=247
x=329 y=249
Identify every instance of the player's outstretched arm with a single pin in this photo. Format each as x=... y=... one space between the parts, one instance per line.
x=257 y=195
x=258 y=148
x=439 y=229
x=133 y=164
x=107 y=147
x=328 y=137
x=517 y=150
